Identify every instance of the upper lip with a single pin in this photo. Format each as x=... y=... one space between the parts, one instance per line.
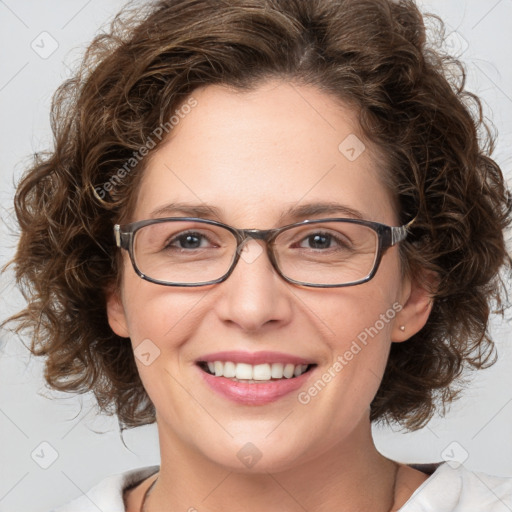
x=254 y=358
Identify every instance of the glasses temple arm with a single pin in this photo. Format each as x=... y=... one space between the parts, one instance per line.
x=399 y=234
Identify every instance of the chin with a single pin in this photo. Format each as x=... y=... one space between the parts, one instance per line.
x=255 y=454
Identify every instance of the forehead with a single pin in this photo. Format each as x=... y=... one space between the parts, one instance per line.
x=254 y=154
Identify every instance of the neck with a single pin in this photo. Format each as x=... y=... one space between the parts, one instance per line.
x=351 y=473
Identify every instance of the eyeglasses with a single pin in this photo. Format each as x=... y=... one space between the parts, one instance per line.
x=323 y=253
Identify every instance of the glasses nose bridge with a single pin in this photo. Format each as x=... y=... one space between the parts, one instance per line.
x=255 y=234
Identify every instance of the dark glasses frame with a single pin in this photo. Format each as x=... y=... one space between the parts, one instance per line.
x=388 y=236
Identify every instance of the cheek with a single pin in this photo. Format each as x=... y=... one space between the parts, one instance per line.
x=154 y=311
x=363 y=334
x=160 y=321
x=359 y=321
x=360 y=313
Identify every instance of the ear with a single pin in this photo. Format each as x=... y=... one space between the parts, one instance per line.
x=116 y=313
x=417 y=302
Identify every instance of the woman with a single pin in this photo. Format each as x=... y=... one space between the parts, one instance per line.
x=266 y=225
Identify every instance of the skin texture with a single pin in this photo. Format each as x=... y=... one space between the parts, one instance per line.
x=253 y=156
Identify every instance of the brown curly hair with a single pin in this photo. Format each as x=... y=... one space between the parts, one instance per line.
x=370 y=54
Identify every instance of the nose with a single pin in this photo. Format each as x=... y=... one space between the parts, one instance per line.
x=254 y=296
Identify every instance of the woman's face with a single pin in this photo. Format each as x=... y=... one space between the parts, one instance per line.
x=256 y=158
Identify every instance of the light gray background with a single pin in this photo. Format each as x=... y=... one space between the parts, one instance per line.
x=87 y=446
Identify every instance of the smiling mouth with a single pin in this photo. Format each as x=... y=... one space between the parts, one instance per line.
x=253 y=374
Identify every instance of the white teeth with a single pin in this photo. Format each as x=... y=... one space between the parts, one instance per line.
x=288 y=370
x=258 y=372
x=277 y=370
x=219 y=368
x=261 y=372
x=229 y=369
x=243 y=371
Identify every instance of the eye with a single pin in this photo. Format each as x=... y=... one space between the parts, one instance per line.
x=317 y=241
x=321 y=240
x=189 y=240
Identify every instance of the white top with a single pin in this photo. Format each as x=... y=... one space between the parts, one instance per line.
x=446 y=490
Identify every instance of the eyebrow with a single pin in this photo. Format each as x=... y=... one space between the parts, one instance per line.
x=292 y=214
x=187 y=209
x=319 y=208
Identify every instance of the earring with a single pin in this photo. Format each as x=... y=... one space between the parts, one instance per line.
x=402 y=328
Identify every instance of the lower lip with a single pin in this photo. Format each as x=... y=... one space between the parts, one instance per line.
x=255 y=393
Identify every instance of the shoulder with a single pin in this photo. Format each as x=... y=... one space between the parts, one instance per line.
x=453 y=488
x=108 y=493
